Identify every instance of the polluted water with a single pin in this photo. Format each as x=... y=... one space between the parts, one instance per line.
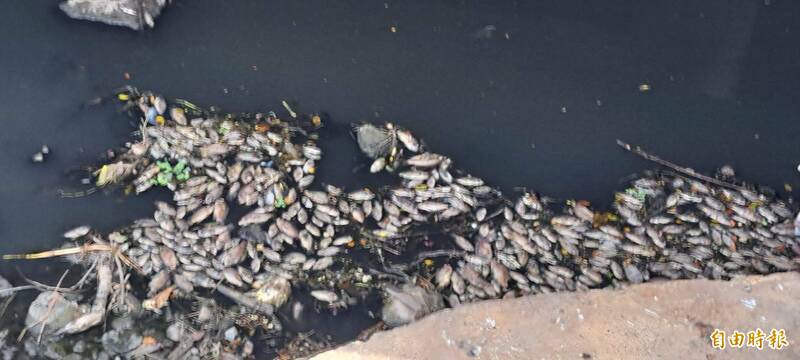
x=221 y=268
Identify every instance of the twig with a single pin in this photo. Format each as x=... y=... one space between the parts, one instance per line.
x=61 y=252
x=98 y=311
x=437 y=253
x=85 y=248
x=13 y=290
x=85 y=276
x=45 y=287
x=122 y=277
x=6 y=304
x=424 y=255
x=51 y=306
x=683 y=170
x=245 y=300
x=104 y=279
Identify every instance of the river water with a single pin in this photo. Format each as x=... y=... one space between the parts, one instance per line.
x=528 y=93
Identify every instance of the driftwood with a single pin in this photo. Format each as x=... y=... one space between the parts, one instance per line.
x=683 y=170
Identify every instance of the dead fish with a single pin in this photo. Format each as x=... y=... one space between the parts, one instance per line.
x=328 y=251
x=77 y=232
x=324 y=295
x=718 y=216
x=408 y=140
x=414 y=175
x=443 y=276
x=463 y=243
x=248 y=157
x=312 y=152
x=257 y=216
x=220 y=211
x=457 y=283
x=322 y=263
x=377 y=165
x=358 y=215
x=201 y=214
x=480 y=214
x=425 y=160
x=305 y=181
x=232 y=276
x=583 y=212
x=234 y=255
x=158 y=281
x=565 y=220
x=499 y=273
x=216 y=176
x=165 y=208
x=432 y=206
x=469 y=181
x=213 y=150
x=306 y=240
x=361 y=195
x=168 y=257
x=632 y=273
x=271 y=255
x=342 y=240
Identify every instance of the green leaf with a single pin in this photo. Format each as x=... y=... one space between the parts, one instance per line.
x=164 y=178
x=179 y=166
x=164 y=165
x=279 y=203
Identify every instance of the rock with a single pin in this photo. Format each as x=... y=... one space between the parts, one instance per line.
x=134 y=14
x=408 y=304
x=176 y=331
x=56 y=350
x=231 y=333
x=247 y=347
x=121 y=342
x=63 y=311
x=122 y=323
x=667 y=320
x=6 y=351
x=79 y=346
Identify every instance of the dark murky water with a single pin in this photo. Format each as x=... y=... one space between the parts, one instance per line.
x=537 y=102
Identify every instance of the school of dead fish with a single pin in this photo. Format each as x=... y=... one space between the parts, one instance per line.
x=293 y=232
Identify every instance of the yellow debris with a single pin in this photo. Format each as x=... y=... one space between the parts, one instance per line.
x=316 y=120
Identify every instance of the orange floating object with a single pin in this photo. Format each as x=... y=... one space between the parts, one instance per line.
x=149 y=340
x=316 y=120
